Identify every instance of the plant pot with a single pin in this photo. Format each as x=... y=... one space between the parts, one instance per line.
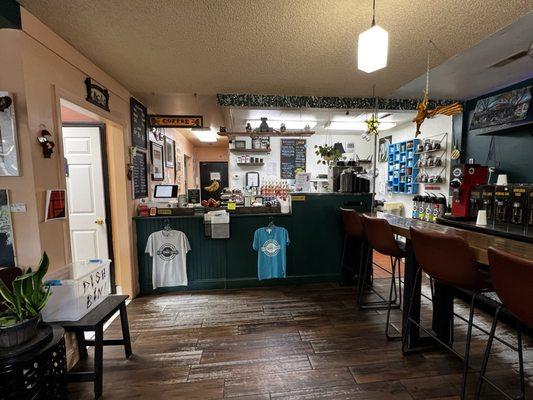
x=19 y=333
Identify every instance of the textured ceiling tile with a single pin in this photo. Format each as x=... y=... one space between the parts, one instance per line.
x=302 y=47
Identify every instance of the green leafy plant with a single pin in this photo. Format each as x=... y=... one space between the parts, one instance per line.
x=28 y=297
x=329 y=154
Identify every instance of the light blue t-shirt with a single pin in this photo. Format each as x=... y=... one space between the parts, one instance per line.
x=271 y=243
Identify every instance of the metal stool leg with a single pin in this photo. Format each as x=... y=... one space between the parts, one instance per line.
x=408 y=319
x=468 y=343
x=521 y=359
x=395 y=264
x=487 y=353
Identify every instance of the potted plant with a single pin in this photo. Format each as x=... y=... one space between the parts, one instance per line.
x=24 y=304
x=329 y=154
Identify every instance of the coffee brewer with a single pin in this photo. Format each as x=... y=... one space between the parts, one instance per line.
x=519 y=196
x=488 y=201
x=463 y=180
x=502 y=203
x=476 y=200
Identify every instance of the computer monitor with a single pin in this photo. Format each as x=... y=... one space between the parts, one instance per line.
x=165 y=193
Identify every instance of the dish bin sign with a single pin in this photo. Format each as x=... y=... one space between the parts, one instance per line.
x=76 y=289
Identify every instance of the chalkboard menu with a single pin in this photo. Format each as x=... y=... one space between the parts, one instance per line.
x=138 y=124
x=139 y=176
x=292 y=157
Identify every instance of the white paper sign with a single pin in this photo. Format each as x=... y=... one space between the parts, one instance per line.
x=214 y=176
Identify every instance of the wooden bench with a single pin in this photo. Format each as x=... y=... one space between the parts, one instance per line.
x=94 y=322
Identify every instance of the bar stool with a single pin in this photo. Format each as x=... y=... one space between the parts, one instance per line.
x=449 y=260
x=512 y=277
x=381 y=239
x=353 y=230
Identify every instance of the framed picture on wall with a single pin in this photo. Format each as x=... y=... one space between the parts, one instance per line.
x=240 y=144
x=170 y=160
x=7 y=245
x=55 y=204
x=9 y=161
x=158 y=168
x=383 y=143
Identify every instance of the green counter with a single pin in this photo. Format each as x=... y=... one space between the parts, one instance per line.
x=313 y=255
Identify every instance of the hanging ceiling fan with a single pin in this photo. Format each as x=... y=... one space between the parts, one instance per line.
x=515 y=57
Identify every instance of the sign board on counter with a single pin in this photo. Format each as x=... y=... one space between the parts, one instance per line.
x=176 y=121
x=193 y=196
x=292 y=157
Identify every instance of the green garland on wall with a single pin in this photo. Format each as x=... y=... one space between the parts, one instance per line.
x=275 y=101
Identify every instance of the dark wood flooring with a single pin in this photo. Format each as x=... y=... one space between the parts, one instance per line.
x=297 y=343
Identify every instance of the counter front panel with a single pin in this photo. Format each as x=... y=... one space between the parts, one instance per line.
x=313 y=255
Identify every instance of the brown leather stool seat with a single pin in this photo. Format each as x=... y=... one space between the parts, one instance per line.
x=381 y=239
x=449 y=260
x=512 y=278
x=354 y=229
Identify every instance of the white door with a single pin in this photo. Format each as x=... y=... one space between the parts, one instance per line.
x=85 y=191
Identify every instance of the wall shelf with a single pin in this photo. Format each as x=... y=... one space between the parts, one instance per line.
x=250 y=164
x=244 y=151
x=402 y=170
x=286 y=134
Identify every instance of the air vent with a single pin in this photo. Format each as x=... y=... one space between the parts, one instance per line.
x=514 y=57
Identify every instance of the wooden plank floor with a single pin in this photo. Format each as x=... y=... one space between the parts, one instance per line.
x=297 y=343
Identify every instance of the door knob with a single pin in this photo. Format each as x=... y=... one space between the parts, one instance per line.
x=99 y=221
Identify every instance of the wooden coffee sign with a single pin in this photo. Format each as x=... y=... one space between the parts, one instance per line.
x=176 y=121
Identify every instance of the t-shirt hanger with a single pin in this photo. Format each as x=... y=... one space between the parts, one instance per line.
x=167 y=228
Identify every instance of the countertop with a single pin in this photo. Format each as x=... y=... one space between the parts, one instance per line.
x=478 y=242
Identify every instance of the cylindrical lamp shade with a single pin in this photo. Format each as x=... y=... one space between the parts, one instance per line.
x=372 y=49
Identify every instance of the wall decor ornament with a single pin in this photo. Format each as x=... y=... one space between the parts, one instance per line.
x=279 y=101
x=45 y=139
x=96 y=94
x=423 y=107
x=9 y=160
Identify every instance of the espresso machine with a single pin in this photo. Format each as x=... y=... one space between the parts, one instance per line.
x=476 y=200
x=463 y=180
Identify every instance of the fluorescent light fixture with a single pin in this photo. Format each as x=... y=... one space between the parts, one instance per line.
x=289 y=124
x=372 y=49
x=356 y=126
x=204 y=135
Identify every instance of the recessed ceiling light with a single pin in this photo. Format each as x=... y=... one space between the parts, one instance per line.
x=204 y=135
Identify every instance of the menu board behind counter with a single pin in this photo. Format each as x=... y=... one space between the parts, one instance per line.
x=138 y=124
x=139 y=176
x=292 y=157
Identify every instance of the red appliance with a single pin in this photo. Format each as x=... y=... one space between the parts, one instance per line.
x=464 y=178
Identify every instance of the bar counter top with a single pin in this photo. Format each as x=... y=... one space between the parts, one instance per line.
x=479 y=242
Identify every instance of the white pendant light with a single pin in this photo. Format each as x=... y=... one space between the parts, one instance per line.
x=372 y=47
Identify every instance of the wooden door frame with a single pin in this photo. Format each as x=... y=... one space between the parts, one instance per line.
x=107 y=199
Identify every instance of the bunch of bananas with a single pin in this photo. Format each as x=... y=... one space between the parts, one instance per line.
x=213 y=187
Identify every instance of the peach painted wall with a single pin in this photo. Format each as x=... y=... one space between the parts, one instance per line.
x=21 y=189
x=212 y=154
x=39 y=68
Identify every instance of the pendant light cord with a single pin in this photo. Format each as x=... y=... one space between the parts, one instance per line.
x=373 y=12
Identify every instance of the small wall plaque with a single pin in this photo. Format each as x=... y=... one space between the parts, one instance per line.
x=97 y=95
